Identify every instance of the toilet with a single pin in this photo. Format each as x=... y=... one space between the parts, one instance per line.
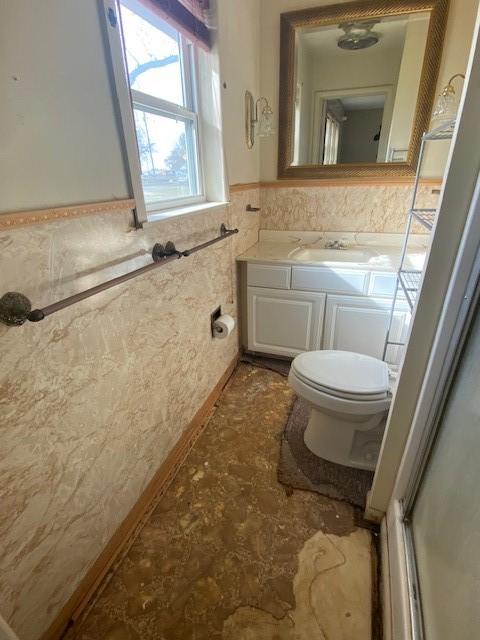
x=349 y=398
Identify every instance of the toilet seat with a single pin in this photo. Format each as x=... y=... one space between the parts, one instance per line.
x=343 y=374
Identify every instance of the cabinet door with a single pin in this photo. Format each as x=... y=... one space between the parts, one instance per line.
x=360 y=324
x=284 y=322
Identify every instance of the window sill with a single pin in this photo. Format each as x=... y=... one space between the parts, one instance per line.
x=184 y=211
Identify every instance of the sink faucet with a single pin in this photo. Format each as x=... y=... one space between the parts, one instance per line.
x=335 y=244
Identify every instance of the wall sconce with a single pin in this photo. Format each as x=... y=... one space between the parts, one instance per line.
x=447 y=102
x=255 y=123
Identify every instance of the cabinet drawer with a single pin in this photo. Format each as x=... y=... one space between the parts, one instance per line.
x=330 y=280
x=266 y=275
x=383 y=285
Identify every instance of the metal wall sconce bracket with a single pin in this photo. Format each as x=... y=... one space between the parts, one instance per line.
x=249 y=120
x=253 y=120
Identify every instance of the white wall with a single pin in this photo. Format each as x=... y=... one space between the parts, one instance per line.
x=269 y=71
x=456 y=47
x=461 y=21
x=408 y=84
x=238 y=41
x=362 y=68
x=58 y=131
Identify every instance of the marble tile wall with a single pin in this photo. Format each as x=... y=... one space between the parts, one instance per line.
x=93 y=398
x=372 y=208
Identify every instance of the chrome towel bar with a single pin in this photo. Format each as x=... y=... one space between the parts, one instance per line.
x=15 y=308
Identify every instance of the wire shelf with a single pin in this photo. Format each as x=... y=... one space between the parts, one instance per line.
x=425 y=217
x=410 y=281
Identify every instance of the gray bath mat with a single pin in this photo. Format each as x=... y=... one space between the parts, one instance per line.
x=299 y=468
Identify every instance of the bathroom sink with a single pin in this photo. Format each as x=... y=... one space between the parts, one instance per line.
x=320 y=254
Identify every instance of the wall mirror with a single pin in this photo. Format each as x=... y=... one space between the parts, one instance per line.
x=357 y=85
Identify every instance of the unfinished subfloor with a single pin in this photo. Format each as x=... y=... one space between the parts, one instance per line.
x=228 y=553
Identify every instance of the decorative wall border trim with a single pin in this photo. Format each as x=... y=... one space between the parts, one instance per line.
x=123 y=538
x=40 y=216
x=245 y=186
x=334 y=182
x=349 y=182
x=18 y=219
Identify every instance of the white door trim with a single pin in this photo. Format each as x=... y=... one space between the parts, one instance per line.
x=320 y=111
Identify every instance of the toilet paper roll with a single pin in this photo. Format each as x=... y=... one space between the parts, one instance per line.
x=223 y=326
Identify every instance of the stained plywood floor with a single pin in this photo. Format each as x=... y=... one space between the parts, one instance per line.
x=229 y=553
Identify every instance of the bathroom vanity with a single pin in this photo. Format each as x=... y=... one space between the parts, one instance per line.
x=300 y=295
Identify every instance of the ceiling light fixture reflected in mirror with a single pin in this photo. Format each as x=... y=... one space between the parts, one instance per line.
x=358 y=35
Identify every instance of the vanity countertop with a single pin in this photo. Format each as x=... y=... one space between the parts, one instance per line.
x=372 y=251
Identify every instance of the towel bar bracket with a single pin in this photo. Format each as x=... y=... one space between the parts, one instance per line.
x=14 y=308
x=159 y=252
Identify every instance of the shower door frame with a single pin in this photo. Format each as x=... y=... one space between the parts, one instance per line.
x=404 y=616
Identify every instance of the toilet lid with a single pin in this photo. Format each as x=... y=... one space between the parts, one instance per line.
x=343 y=373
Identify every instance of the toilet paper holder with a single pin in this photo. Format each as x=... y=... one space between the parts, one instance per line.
x=214 y=316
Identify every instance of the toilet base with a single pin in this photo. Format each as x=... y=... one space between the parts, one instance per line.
x=353 y=441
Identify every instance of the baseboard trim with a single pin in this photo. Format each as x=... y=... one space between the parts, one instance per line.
x=126 y=533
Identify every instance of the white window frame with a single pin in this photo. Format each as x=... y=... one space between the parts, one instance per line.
x=129 y=99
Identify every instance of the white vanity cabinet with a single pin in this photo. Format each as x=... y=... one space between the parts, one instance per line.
x=284 y=323
x=291 y=309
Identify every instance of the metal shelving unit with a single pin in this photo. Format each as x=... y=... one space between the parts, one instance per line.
x=409 y=280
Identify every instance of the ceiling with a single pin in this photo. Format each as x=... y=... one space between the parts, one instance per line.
x=323 y=41
x=357 y=103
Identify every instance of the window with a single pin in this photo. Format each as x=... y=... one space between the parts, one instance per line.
x=161 y=68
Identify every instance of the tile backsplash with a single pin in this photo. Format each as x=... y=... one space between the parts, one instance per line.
x=365 y=208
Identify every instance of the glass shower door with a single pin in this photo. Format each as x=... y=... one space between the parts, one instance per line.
x=444 y=521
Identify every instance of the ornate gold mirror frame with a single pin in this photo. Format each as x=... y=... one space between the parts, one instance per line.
x=335 y=14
